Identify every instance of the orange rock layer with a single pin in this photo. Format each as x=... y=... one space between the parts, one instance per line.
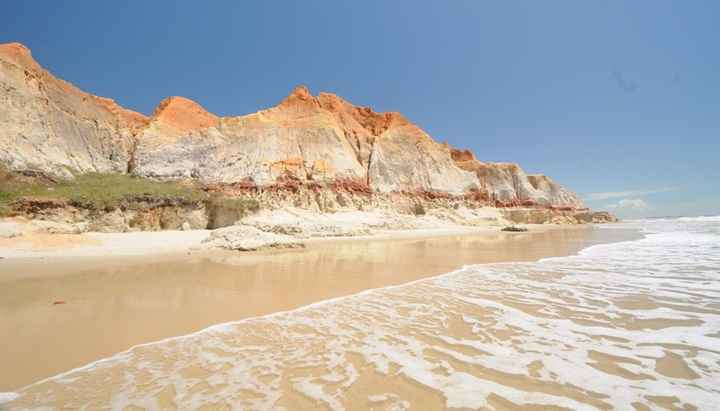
x=49 y=125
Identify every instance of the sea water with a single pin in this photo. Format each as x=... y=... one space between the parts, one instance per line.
x=630 y=325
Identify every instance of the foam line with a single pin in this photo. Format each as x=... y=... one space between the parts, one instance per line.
x=610 y=327
x=225 y=325
x=8 y=396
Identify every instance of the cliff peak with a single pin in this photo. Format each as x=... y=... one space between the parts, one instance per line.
x=462 y=155
x=19 y=54
x=301 y=92
x=183 y=114
x=15 y=47
x=374 y=122
x=299 y=100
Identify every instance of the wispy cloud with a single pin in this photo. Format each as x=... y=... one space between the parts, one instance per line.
x=629 y=204
x=629 y=193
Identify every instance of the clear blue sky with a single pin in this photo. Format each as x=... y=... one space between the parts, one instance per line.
x=618 y=100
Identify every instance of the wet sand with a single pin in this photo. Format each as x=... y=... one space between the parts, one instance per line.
x=60 y=313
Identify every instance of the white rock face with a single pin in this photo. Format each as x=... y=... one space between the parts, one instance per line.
x=51 y=126
x=247 y=238
x=303 y=224
x=506 y=184
x=260 y=148
x=556 y=194
x=305 y=138
x=404 y=158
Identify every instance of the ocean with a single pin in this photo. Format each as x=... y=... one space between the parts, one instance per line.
x=628 y=325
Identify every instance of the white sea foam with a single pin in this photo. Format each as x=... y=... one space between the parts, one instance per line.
x=8 y=396
x=700 y=219
x=615 y=326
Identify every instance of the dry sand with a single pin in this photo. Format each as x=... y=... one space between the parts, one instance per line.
x=40 y=245
x=57 y=313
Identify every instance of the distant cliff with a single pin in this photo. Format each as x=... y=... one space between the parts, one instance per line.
x=49 y=126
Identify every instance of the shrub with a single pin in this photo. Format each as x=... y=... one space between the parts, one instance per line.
x=514 y=229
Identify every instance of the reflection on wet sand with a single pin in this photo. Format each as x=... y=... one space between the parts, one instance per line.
x=606 y=329
x=110 y=305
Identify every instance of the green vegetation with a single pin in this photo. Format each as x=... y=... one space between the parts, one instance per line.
x=224 y=211
x=93 y=190
x=514 y=229
x=242 y=206
x=5 y=208
x=106 y=192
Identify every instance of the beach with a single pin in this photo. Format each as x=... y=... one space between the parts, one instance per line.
x=59 y=313
x=621 y=316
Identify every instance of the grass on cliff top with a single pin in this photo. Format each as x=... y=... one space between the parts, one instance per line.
x=92 y=190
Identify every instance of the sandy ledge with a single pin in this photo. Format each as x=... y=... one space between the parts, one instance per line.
x=93 y=300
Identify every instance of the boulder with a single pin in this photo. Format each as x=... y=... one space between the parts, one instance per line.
x=596 y=217
x=302 y=224
x=247 y=238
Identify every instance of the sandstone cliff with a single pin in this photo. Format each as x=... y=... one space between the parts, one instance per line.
x=50 y=126
x=308 y=143
x=507 y=185
x=305 y=138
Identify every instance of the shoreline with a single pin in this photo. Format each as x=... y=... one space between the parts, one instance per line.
x=174 y=242
x=111 y=248
x=112 y=304
x=56 y=262
x=282 y=228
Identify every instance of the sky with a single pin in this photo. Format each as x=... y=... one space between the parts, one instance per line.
x=617 y=100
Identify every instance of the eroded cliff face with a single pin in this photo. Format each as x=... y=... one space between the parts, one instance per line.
x=507 y=185
x=306 y=143
x=297 y=139
x=305 y=138
x=50 y=126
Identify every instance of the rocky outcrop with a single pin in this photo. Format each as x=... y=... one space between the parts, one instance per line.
x=295 y=223
x=557 y=195
x=597 y=217
x=316 y=152
x=507 y=185
x=246 y=238
x=50 y=126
